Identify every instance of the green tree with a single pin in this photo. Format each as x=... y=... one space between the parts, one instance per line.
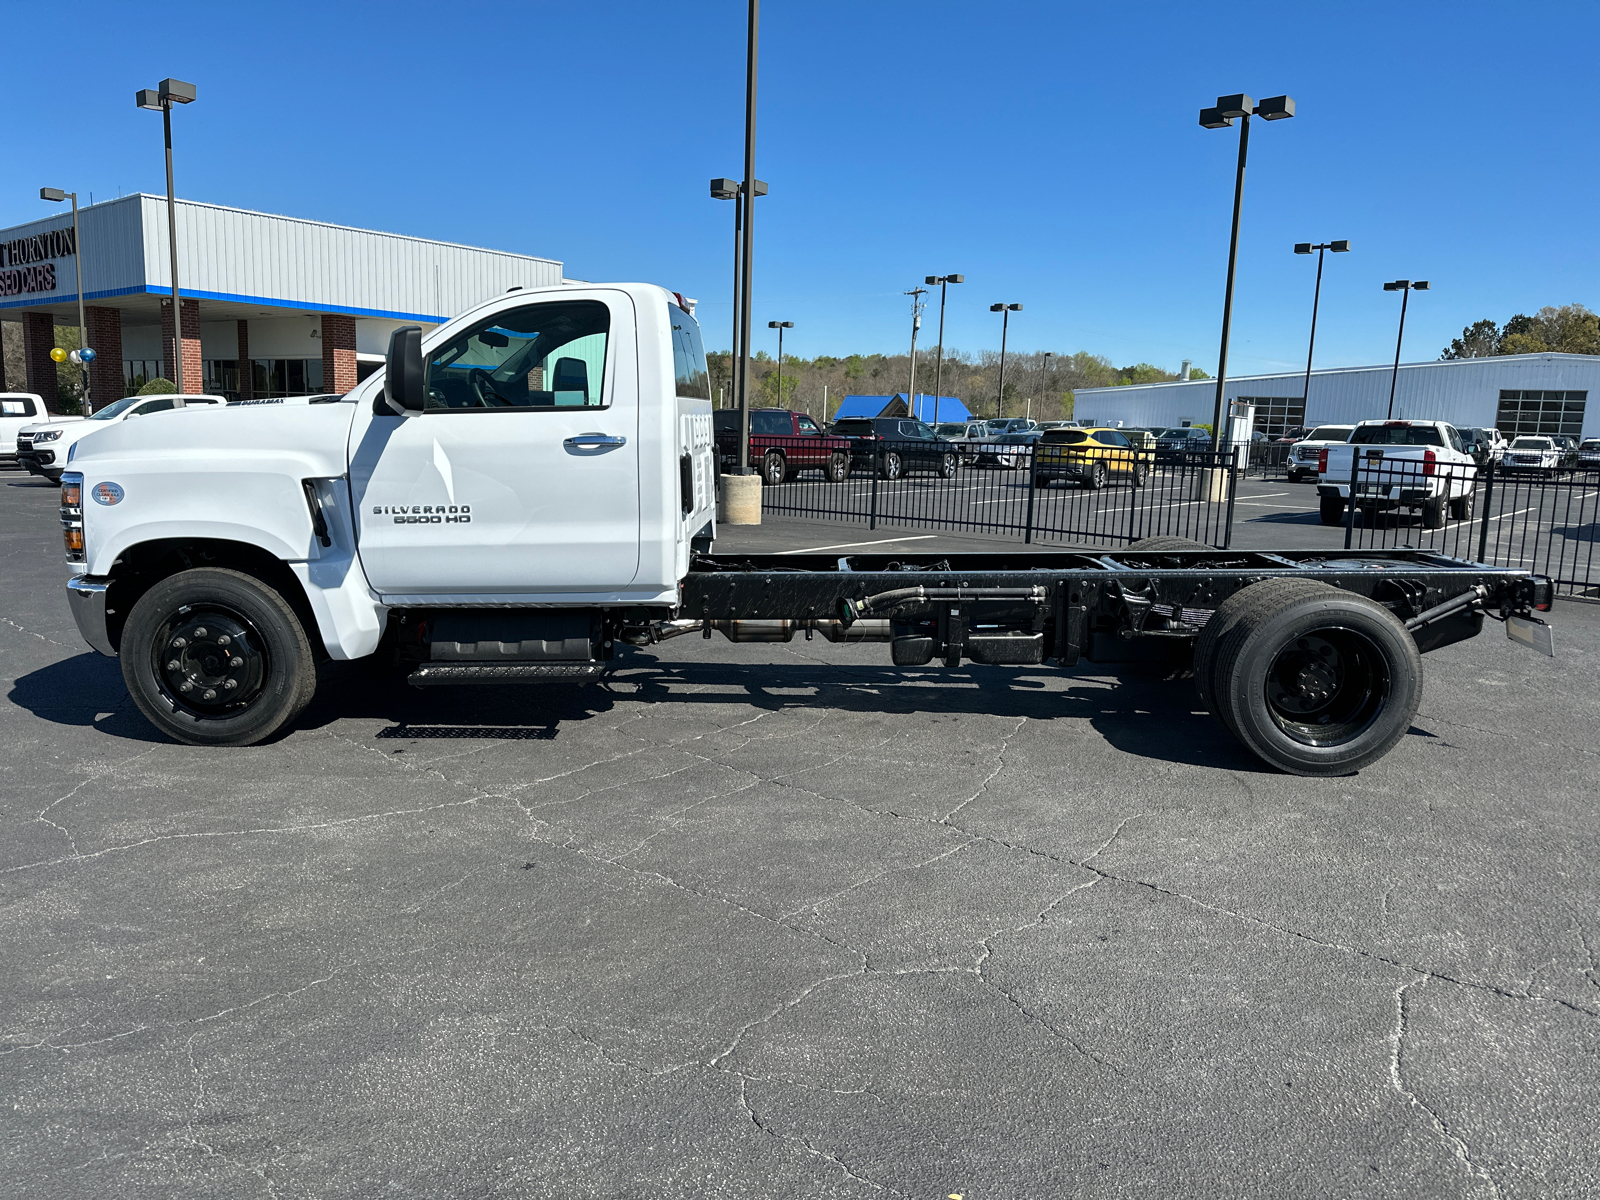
x=158 y=387
x=1481 y=339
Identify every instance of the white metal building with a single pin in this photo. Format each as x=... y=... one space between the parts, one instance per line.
x=1516 y=393
x=272 y=305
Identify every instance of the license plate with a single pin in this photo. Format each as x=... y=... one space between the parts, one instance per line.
x=1535 y=635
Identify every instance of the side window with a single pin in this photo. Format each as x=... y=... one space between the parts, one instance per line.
x=688 y=355
x=925 y=432
x=154 y=406
x=16 y=408
x=770 y=424
x=807 y=425
x=540 y=356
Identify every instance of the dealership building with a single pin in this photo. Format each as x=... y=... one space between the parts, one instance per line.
x=272 y=306
x=1514 y=393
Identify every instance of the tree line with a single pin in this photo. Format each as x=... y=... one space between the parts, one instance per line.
x=1036 y=384
x=1567 y=329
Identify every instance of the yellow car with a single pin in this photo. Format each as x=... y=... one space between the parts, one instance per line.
x=1091 y=457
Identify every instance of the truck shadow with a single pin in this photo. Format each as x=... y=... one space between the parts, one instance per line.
x=1138 y=712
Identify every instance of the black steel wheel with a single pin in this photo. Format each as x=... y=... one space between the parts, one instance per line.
x=216 y=658
x=947 y=466
x=893 y=465
x=1312 y=679
x=837 y=469
x=774 y=469
x=1332 y=510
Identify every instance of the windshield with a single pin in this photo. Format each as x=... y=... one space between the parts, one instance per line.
x=1329 y=433
x=1590 y=444
x=1532 y=443
x=117 y=409
x=1396 y=435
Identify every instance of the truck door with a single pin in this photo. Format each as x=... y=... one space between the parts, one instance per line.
x=521 y=474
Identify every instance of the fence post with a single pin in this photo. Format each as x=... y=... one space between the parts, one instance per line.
x=1483 y=520
x=1350 y=509
x=877 y=446
x=1027 y=533
x=1233 y=475
x=1133 y=496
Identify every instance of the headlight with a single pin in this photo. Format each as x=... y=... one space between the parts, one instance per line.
x=47 y=435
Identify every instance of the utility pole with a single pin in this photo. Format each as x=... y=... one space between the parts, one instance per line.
x=916 y=294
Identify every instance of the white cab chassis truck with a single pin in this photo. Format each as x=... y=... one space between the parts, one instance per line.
x=534 y=481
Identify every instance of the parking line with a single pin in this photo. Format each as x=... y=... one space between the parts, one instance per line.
x=921 y=537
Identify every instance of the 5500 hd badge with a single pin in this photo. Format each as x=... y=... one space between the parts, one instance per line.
x=425 y=514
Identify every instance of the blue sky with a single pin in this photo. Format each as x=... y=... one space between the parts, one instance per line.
x=1049 y=152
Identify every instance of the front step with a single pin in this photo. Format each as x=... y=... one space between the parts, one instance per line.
x=435 y=674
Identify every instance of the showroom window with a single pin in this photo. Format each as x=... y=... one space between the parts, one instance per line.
x=1276 y=415
x=1541 y=413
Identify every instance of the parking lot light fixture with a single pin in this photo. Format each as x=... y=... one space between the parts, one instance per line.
x=1405 y=287
x=56 y=196
x=1229 y=109
x=1005 y=311
x=938 y=363
x=780 y=326
x=1340 y=247
x=730 y=189
x=162 y=97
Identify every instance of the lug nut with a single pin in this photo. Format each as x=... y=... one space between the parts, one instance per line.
x=236 y=662
x=186 y=685
x=173 y=664
x=231 y=684
x=180 y=643
x=224 y=640
x=209 y=694
x=201 y=632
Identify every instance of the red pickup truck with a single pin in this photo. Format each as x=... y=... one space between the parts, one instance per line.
x=782 y=444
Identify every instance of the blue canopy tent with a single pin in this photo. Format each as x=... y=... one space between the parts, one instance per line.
x=949 y=408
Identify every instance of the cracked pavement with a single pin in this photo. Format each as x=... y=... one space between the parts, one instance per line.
x=787 y=921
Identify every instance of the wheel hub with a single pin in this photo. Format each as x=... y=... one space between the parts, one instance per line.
x=1327 y=686
x=211 y=662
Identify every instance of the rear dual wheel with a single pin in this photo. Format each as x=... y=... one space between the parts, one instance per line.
x=216 y=658
x=1312 y=679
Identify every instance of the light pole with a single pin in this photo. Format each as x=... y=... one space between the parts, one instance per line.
x=1005 y=311
x=729 y=189
x=1228 y=110
x=938 y=366
x=163 y=96
x=747 y=245
x=1044 y=379
x=916 y=295
x=84 y=355
x=1340 y=247
x=1405 y=287
x=780 y=326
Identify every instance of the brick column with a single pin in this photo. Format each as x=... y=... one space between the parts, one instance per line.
x=338 y=352
x=247 y=377
x=193 y=381
x=38 y=337
x=106 y=382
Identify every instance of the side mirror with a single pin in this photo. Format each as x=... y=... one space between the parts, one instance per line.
x=404 y=384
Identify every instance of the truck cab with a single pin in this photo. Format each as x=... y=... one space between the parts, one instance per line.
x=1421 y=465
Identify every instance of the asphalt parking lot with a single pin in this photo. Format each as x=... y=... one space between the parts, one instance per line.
x=771 y=920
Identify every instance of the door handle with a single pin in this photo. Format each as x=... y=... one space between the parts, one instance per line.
x=584 y=440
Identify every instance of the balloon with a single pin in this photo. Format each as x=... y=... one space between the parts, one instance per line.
x=86 y=355
x=57 y=354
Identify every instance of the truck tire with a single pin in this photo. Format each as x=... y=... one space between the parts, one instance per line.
x=774 y=470
x=1151 y=545
x=216 y=658
x=1313 y=680
x=1433 y=512
x=1332 y=509
x=1463 y=506
x=838 y=468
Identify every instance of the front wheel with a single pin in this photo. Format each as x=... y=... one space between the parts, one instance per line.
x=947 y=467
x=1138 y=474
x=216 y=658
x=1312 y=679
x=838 y=468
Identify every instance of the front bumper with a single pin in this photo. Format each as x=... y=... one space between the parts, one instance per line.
x=37 y=462
x=86 y=596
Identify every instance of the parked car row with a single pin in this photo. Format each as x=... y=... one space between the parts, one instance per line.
x=44 y=447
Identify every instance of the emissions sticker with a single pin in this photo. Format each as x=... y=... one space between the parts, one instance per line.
x=107 y=493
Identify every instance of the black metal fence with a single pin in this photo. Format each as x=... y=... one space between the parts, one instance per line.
x=1015 y=489
x=1545 y=521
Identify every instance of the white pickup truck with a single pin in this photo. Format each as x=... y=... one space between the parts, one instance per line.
x=18 y=410
x=1399 y=464
x=534 y=482
x=45 y=447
